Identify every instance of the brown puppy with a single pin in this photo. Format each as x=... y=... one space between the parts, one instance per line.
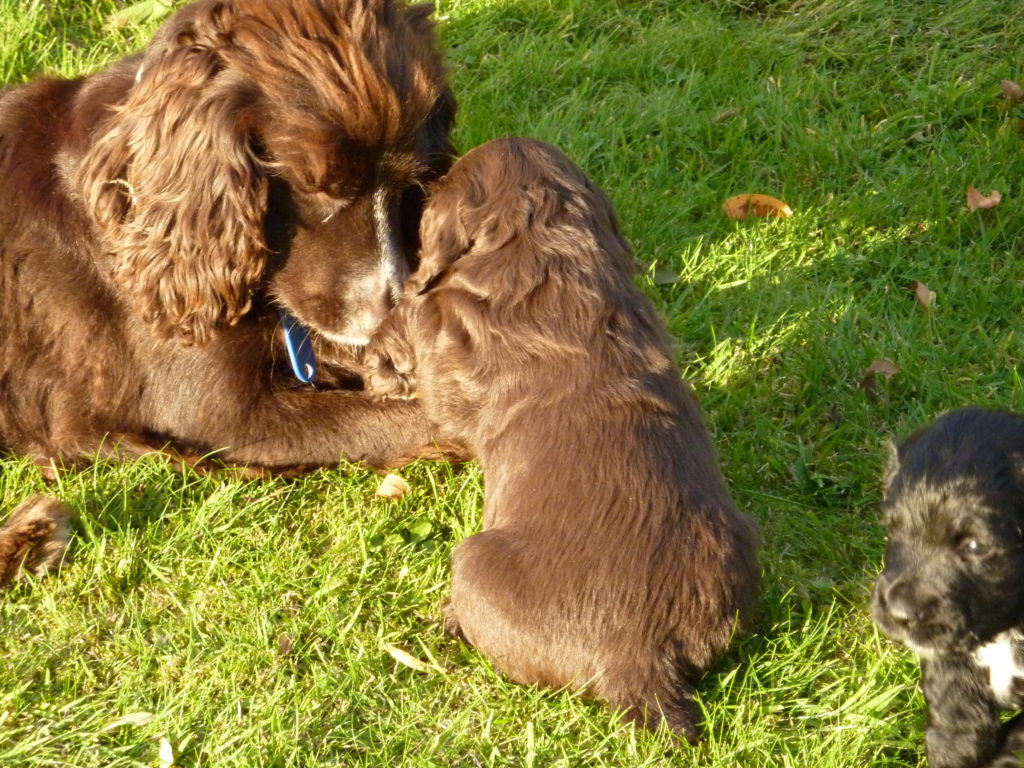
x=33 y=540
x=613 y=558
x=155 y=217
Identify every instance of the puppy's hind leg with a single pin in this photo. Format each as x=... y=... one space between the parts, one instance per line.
x=493 y=609
x=1012 y=753
x=517 y=613
x=652 y=698
x=34 y=539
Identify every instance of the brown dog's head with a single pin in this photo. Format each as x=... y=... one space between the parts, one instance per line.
x=279 y=146
x=954 y=507
x=522 y=191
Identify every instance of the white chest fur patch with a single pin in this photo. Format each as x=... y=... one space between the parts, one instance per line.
x=1002 y=664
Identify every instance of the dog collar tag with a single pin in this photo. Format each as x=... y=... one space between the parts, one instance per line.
x=300 y=348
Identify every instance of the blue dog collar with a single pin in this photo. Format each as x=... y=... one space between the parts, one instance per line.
x=300 y=348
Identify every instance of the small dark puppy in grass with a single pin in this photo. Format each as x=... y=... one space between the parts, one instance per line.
x=613 y=558
x=33 y=540
x=952 y=589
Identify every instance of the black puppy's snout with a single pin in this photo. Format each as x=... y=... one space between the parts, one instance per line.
x=902 y=601
x=897 y=601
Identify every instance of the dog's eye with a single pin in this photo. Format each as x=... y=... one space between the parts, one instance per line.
x=972 y=547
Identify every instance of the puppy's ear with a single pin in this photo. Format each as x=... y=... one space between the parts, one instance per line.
x=892 y=466
x=174 y=185
x=1017 y=463
x=443 y=239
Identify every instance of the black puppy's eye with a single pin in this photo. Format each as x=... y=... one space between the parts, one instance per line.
x=972 y=547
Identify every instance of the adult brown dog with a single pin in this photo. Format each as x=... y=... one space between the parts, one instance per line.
x=613 y=558
x=256 y=157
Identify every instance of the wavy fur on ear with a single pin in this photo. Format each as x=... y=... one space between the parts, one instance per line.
x=443 y=238
x=175 y=187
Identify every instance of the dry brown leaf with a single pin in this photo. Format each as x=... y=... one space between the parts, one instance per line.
x=759 y=206
x=925 y=295
x=879 y=367
x=883 y=366
x=728 y=114
x=284 y=645
x=393 y=487
x=1012 y=91
x=979 y=202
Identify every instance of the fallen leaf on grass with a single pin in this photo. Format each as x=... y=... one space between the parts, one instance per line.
x=420 y=530
x=141 y=12
x=758 y=206
x=879 y=367
x=925 y=295
x=134 y=718
x=406 y=659
x=979 y=202
x=393 y=487
x=728 y=114
x=166 y=753
x=663 y=274
x=1011 y=91
x=284 y=645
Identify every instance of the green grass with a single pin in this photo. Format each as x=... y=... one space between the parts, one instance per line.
x=263 y=623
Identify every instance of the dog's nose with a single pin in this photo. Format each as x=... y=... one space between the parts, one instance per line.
x=899 y=601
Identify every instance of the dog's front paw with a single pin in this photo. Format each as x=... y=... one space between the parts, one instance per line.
x=386 y=378
x=452 y=627
x=34 y=539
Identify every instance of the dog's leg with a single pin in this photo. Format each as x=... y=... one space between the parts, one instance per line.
x=963 y=717
x=1011 y=755
x=389 y=359
x=34 y=539
x=651 y=699
x=493 y=608
x=295 y=430
x=530 y=633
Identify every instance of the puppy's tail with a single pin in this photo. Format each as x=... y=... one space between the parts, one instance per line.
x=34 y=539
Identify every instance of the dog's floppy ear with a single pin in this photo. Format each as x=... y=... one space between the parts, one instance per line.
x=892 y=466
x=896 y=455
x=174 y=185
x=443 y=239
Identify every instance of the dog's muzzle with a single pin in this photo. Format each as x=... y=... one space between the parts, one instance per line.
x=909 y=613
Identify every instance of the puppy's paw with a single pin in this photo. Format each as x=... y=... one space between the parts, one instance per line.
x=452 y=628
x=34 y=539
x=387 y=377
x=680 y=719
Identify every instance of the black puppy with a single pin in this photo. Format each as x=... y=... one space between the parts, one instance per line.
x=952 y=589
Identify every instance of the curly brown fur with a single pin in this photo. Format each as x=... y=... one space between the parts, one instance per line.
x=612 y=559
x=953 y=584
x=154 y=217
x=33 y=540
